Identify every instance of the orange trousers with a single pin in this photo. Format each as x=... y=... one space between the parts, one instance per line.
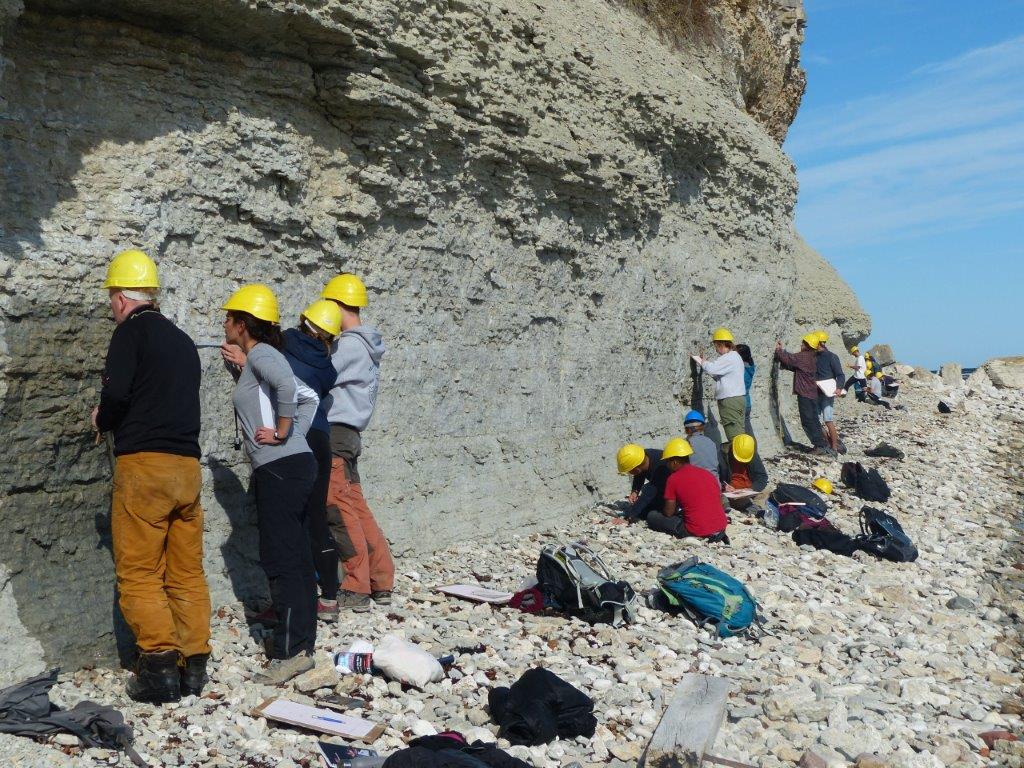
x=364 y=550
x=157 y=528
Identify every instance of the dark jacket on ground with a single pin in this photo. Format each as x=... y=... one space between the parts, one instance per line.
x=311 y=362
x=150 y=396
x=449 y=750
x=539 y=707
x=804 y=365
x=829 y=366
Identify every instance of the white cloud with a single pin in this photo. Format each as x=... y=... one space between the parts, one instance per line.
x=941 y=151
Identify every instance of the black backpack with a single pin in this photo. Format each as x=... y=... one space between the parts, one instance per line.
x=866 y=483
x=883 y=536
x=574 y=579
x=791 y=493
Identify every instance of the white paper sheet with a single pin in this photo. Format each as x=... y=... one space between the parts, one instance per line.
x=476 y=593
x=828 y=386
x=740 y=493
x=324 y=720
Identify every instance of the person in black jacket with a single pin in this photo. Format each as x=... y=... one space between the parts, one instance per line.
x=150 y=401
x=829 y=366
x=649 y=474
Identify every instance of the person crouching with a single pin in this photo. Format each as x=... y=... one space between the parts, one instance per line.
x=693 y=502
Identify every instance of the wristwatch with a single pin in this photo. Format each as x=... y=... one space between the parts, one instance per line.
x=276 y=436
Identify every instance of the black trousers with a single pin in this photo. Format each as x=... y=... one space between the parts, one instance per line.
x=282 y=489
x=674 y=526
x=809 y=421
x=324 y=548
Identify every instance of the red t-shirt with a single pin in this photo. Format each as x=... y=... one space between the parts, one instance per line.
x=697 y=494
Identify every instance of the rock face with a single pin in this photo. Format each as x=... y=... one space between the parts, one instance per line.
x=1005 y=372
x=951 y=374
x=882 y=354
x=550 y=205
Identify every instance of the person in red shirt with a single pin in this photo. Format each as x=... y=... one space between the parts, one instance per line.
x=693 y=501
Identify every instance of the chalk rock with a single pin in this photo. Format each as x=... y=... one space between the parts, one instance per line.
x=952 y=374
x=1006 y=372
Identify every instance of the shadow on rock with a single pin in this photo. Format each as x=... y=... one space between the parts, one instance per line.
x=241 y=548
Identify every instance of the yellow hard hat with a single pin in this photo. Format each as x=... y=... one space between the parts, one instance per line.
x=629 y=457
x=258 y=300
x=867 y=355
x=347 y=289
x=325 y=315
x=676 y=448
x=824 y=485
x=132 y=269
x=722 y=334
x=878 y=375
x=743 y=447
x=854 y=350
x=822 y=337
x=811 y=340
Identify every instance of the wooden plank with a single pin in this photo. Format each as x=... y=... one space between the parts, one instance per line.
x=690 y=724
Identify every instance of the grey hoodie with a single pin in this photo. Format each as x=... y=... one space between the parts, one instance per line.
x=356 y=357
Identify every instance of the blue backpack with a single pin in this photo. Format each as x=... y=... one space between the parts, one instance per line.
x=707 y=595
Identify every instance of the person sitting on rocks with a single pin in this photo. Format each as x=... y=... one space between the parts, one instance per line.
x=804 y=365
x=693 y=502
x=649 y=474
x=744 y=470
x=874 y=393
x=706 y=454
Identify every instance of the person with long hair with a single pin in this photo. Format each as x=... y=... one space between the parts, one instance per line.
x=274 y=412
x=749 y=369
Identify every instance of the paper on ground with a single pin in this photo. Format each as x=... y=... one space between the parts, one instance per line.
x=476 y=593
x=323 y=720
x=828 y=386
x=740 y=493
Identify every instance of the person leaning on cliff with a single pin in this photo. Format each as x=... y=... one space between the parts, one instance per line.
x=804 y=365
x=730 y=389
x=693 y=501
x=150 y=401
x=648 y=473
x=274 y=411
x=356 y=355
x=829 y=368
x=749 y=369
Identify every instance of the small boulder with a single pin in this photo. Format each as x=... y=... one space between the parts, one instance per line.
x=1006 y=372
x=952 y=374
x=991 y=737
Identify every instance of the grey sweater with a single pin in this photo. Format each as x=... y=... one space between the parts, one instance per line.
x=266 y=390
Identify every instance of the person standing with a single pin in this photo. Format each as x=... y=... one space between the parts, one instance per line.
x=369 y=569
x=150 y=401
x=829 y=368
x=804 y=365
x=749 y=369
x=857 y=380
x=730 y=391
x=274 y=412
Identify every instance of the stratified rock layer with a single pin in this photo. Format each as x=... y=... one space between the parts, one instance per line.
x=550 y=207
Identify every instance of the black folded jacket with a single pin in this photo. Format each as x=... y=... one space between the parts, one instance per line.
x=539 y=707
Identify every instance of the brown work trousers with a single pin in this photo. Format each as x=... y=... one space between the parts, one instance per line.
x=364 y=549
x=157 y=527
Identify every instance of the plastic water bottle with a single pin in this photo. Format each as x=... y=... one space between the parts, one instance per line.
x=353 y=663
x=771 y=516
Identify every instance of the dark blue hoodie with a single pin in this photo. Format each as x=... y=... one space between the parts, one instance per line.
x=311 y=363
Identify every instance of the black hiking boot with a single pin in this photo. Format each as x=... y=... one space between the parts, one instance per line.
x=193 y=674
x=156 y=678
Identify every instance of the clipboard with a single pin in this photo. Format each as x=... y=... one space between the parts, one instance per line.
x=322 y=720
x=476 y=593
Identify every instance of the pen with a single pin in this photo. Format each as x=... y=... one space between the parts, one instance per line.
x=328 y=719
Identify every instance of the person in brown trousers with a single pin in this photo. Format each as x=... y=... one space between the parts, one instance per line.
x=150 y=401
x=355 y=355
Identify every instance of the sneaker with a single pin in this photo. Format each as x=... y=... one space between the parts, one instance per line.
x=280 y=671
x=326 y=610
x=381 y=596
x=355 y=601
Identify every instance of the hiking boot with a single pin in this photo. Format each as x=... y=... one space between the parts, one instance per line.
x=326 y=610
x=280 y=671
x=193 y=674
x=353 y=601
x=381 y=596
x=156 y=678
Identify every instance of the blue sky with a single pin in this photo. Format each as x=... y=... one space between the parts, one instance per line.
x=909 y=148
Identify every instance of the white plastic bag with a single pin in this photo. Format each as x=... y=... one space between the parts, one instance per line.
x=402 y=661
